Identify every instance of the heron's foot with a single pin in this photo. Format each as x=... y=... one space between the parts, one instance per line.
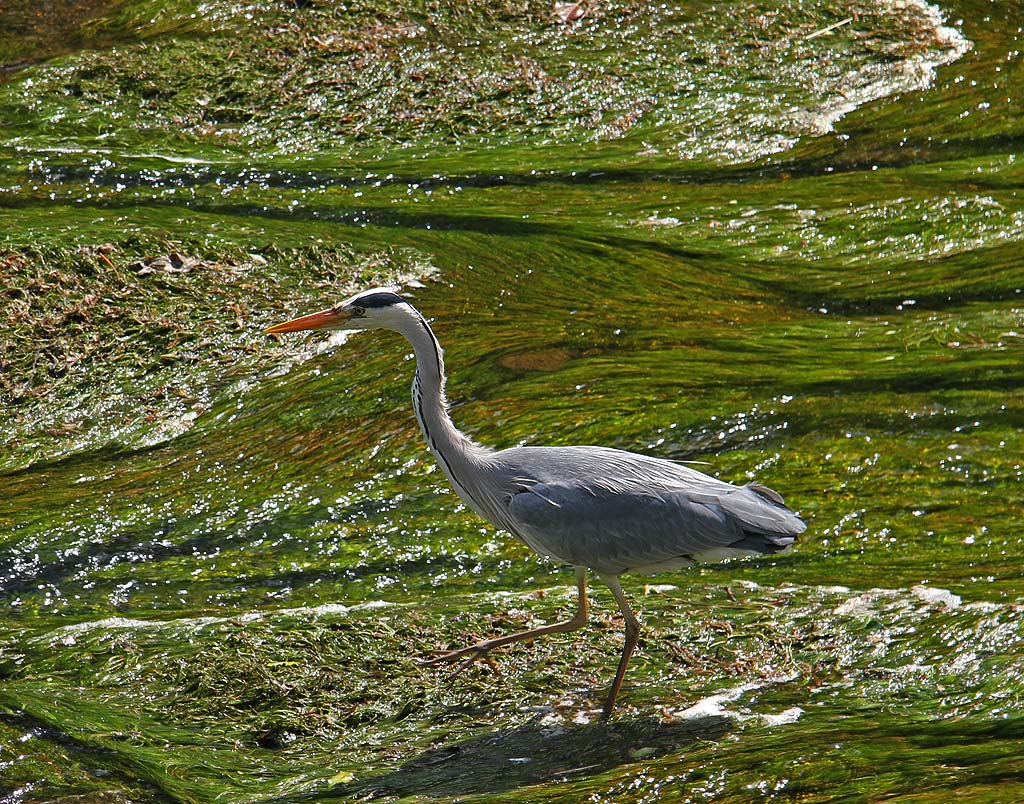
x=606 y=710
x=481 y=649
x=467 y=655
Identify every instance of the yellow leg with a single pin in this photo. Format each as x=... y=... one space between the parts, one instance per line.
x=632 y=637
x=577 y=621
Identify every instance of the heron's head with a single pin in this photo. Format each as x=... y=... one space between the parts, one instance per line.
x=378 y=308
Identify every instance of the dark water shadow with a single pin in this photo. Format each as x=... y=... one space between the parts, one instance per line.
x=508 y=759
x=32 y=31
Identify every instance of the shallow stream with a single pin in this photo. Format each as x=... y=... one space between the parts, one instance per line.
x=783 y=243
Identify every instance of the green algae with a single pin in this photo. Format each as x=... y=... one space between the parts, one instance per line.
x=417 y=80
x=150 y=314
x=269 y=691
x=225 y=602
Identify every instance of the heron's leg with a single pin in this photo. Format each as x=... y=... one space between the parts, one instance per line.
x=632 y=636
x=578 y=620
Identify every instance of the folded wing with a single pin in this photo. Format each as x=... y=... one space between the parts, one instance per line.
x=616 y=530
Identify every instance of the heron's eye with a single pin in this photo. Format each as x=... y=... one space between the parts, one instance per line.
x=358 y=312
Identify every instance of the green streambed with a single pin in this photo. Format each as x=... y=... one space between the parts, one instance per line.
x=714 y=234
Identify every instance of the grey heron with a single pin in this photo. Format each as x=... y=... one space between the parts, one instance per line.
x=594 y=508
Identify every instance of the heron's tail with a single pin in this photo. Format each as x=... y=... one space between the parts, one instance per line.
x=768 y=524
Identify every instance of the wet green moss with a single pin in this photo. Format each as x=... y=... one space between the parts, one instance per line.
x=371 y=80
x=284 y=690
x=129 y=342
x=224 y=602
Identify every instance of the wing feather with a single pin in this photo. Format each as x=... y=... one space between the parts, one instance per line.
x=612 y=532
x=614 y=511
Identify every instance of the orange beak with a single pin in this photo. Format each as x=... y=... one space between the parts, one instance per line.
x=325 y=318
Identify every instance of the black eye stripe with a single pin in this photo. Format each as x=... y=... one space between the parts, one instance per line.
x=379 y=299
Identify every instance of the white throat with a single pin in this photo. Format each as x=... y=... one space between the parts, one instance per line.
x=461 y=459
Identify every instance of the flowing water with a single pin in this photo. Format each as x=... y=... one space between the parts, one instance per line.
x=782 y=242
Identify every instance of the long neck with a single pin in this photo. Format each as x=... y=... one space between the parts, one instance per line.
x=459 y=456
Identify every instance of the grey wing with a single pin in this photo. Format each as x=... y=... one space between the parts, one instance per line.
x=617 y=531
